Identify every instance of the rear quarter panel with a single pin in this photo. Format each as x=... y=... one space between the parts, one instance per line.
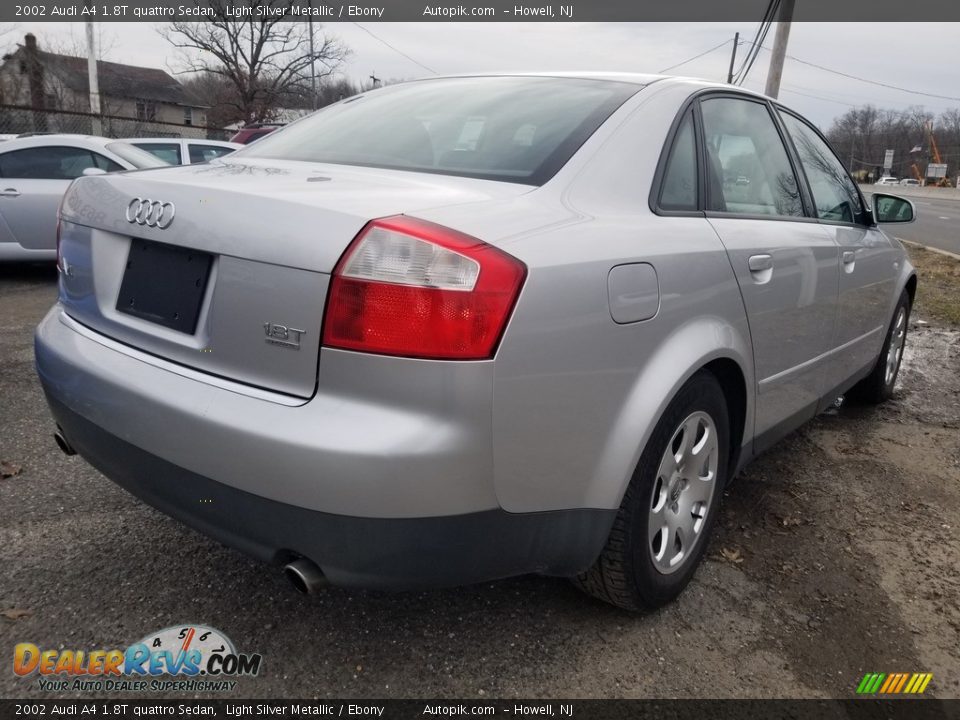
x=576 y=395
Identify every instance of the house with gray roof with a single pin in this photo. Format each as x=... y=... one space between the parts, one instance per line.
x=46 y=81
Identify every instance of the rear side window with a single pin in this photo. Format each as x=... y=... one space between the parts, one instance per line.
x=834 y=194
x=106 y=164
x=206 y=153
x=679 y=190
x=748 y=169
x=48 y=163
x=514 y=129
x=168 y=152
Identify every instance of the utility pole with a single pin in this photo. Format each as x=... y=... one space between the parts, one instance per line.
x=96 y=126
x=733 y=57
x=374 y=80
x=779 y=48
x=313 y=58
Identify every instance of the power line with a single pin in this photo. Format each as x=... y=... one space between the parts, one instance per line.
x=786 y=88
x=768 y=21
x=396 y=50
x=695 y=57
x=756 y=36
x=757 y=41
x=871 y=82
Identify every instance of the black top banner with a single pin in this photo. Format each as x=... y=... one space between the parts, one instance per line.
x=435 y=709
x=472 y=10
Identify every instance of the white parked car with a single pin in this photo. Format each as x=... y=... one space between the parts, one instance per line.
x=35 y=172
x=910 y=181
x=179 y=151
x=887 y=180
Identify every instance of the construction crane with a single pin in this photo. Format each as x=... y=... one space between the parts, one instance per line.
x=935 y=158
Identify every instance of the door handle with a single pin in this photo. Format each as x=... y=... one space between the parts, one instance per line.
x=849 y=260
x=761 y=268
x=9 y=192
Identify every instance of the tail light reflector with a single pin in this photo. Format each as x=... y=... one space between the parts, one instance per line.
x=412 y=288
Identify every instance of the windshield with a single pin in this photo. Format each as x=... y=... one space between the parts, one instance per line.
x=516 y=129
x=140 y=159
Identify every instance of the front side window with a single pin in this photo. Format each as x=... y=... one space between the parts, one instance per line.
x=749 y=170
x=46 y=163
x=834 y=194
x=514 y=129
x=679 y=191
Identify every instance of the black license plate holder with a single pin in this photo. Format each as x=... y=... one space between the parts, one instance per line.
x=164 y=284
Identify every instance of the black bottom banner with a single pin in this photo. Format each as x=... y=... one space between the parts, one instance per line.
x=904 y=709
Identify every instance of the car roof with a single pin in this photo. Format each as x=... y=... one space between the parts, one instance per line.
x=628 y=77
x=636 y=78
x=84 y=141
x=639 y=79
x=202 y=141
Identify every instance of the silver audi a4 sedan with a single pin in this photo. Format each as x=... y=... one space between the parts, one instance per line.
x=473 y=327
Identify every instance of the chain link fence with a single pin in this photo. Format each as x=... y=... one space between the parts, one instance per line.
x=18 y=119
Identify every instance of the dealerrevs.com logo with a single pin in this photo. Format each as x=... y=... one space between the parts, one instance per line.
x=188 y=658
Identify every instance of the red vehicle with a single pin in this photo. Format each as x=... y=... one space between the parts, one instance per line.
x=254 y=131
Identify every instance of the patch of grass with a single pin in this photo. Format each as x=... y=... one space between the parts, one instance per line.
x=938 y=286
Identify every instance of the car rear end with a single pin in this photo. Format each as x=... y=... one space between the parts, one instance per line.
x=283 y=355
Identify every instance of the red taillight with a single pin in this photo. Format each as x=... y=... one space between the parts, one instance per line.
x=412 y=288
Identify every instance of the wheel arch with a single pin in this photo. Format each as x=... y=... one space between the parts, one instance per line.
x=911 y=287
x=734 y=385
x=707 y=343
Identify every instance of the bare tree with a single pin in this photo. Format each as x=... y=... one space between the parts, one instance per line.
x=216 y=93
x=75 y=44
x=262 y=61
x=7 y=33
x=862 y=135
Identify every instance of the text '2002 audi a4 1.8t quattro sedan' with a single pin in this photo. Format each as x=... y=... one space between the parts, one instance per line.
x=467 y=328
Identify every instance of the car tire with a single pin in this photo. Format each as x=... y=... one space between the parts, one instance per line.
x=634 y=569
x=879 y=384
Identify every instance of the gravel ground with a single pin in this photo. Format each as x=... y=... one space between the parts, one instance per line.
x=836 y=555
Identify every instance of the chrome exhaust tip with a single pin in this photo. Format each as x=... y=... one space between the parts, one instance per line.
x=305 y=576
x=62 y=443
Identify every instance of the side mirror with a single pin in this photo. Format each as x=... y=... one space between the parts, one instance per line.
x=892 y=209
x=94 y=171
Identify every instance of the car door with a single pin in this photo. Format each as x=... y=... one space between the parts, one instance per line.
x=32 y=181
x=31 y=185
x=867 y=256
x=786 y=264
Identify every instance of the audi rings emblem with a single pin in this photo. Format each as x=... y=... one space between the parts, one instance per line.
x=152 y=213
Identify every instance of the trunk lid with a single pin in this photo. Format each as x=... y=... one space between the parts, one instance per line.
x=248 y=252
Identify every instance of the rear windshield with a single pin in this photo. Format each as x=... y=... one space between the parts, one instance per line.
x=516 y=129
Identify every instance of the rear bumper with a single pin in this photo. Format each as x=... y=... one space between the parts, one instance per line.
x=155 y=432
x=374 y=553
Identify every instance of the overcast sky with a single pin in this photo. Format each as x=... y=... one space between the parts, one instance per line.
x=917 y=56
